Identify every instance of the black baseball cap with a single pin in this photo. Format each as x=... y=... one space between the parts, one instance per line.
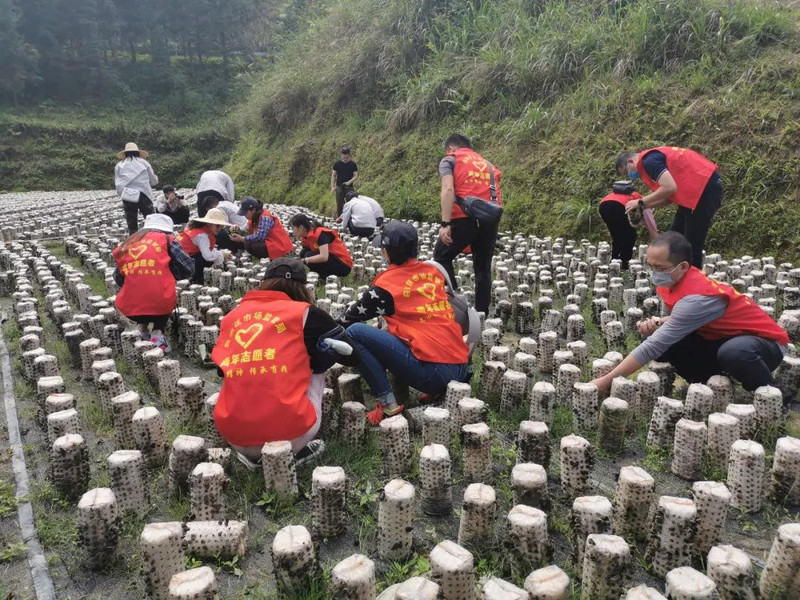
x=286 y=268
x=396 y=234
x=623 y=187
x=168 y=189
x=248 y=203
x=345 y=150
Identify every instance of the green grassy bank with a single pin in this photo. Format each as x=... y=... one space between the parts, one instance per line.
x=550 y=92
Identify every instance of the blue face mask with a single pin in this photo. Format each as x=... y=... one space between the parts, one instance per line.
x=633 y=174
x=662 y=278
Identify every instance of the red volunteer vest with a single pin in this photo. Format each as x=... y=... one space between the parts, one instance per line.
x=742 y=317
x=267 y=370
x=336 y=247
x=278 y=242
x=149 y=287
x=621 y=198
x=423 y=317
x=690 y=170
x=471 y=178
x=186 y=238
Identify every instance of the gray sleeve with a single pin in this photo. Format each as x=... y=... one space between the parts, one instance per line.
x=688 y=315
x=447 y=166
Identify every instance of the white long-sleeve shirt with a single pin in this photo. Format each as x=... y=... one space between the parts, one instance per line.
x=136 y=173
x=218 y=181
x=204 y=244
x=363 y=211
x=231 y=210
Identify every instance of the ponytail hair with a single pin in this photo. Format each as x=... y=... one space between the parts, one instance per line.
x=303 y=220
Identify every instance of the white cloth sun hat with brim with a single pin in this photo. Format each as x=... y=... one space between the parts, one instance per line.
x=215 y=216
x=131 y=147
x=159 y=223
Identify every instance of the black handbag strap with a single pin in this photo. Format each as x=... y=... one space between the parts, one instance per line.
x=492 y=184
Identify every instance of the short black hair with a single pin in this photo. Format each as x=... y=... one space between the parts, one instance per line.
x=457 y=140
x=622 y=159
x=131 y=153
x=399 y=255
x=680 y=249
x=345 y=150
x=350 y=194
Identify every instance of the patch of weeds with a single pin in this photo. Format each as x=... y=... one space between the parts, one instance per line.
x=192 y=562
x=745 y=523
x=489 y=566
x=56 y=530
x=13 y=551
x=398 y=572
x=229 y=566
x=656 y=460
x=713 y=471
x=562 y=422
x=8 y=499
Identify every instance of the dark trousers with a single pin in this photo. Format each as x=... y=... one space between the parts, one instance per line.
x=224 y=241
x=341 y=190
x=257 y=249
x=694 y=224
x=482 y=239
x=179 y=216
x=749 y=359
x=623 y=234
x=360 y=231
x=132 y=210
x=200 y=265
x=159 y=322
x=333 y=267
x=204 y=198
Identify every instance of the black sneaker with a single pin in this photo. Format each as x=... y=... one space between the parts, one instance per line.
x=313 y=450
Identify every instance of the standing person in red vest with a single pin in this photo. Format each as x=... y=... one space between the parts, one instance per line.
x=323 y=250
x=424 y=346
x=612 y=211
x=199 y=240
x=711 y=328
x=683 y=177
x=464 y=173
x=148 y=263
x=273 y=355
x=266 y=236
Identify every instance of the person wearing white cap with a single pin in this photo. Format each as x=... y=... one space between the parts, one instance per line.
x=134 y=179
x=148 y=264
x=199 y=240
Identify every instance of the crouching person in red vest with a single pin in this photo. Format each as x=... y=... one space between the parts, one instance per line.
x=612 y=211
x=199 y=240
x=323 y=250
x=424 y=346
x=271 y=353
x=711 y=328
x=266 y=237
x=148 y=263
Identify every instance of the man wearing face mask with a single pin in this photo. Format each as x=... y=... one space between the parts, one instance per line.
x=711 y=329
x=680 y=176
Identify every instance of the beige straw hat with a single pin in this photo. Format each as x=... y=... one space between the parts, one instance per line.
x=215 y=216
x=131 y=147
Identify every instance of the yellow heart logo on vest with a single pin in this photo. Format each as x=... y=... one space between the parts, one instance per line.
x=428 y=290
x=245 y=337
x=479 y=164
x=137 y=251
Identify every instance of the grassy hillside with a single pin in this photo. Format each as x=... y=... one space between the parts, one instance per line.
x=550 y=91
x=74 y=148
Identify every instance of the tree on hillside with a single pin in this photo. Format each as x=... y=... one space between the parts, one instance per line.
x=18 y=60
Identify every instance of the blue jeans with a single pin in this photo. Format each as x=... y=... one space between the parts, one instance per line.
x=381 y=351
